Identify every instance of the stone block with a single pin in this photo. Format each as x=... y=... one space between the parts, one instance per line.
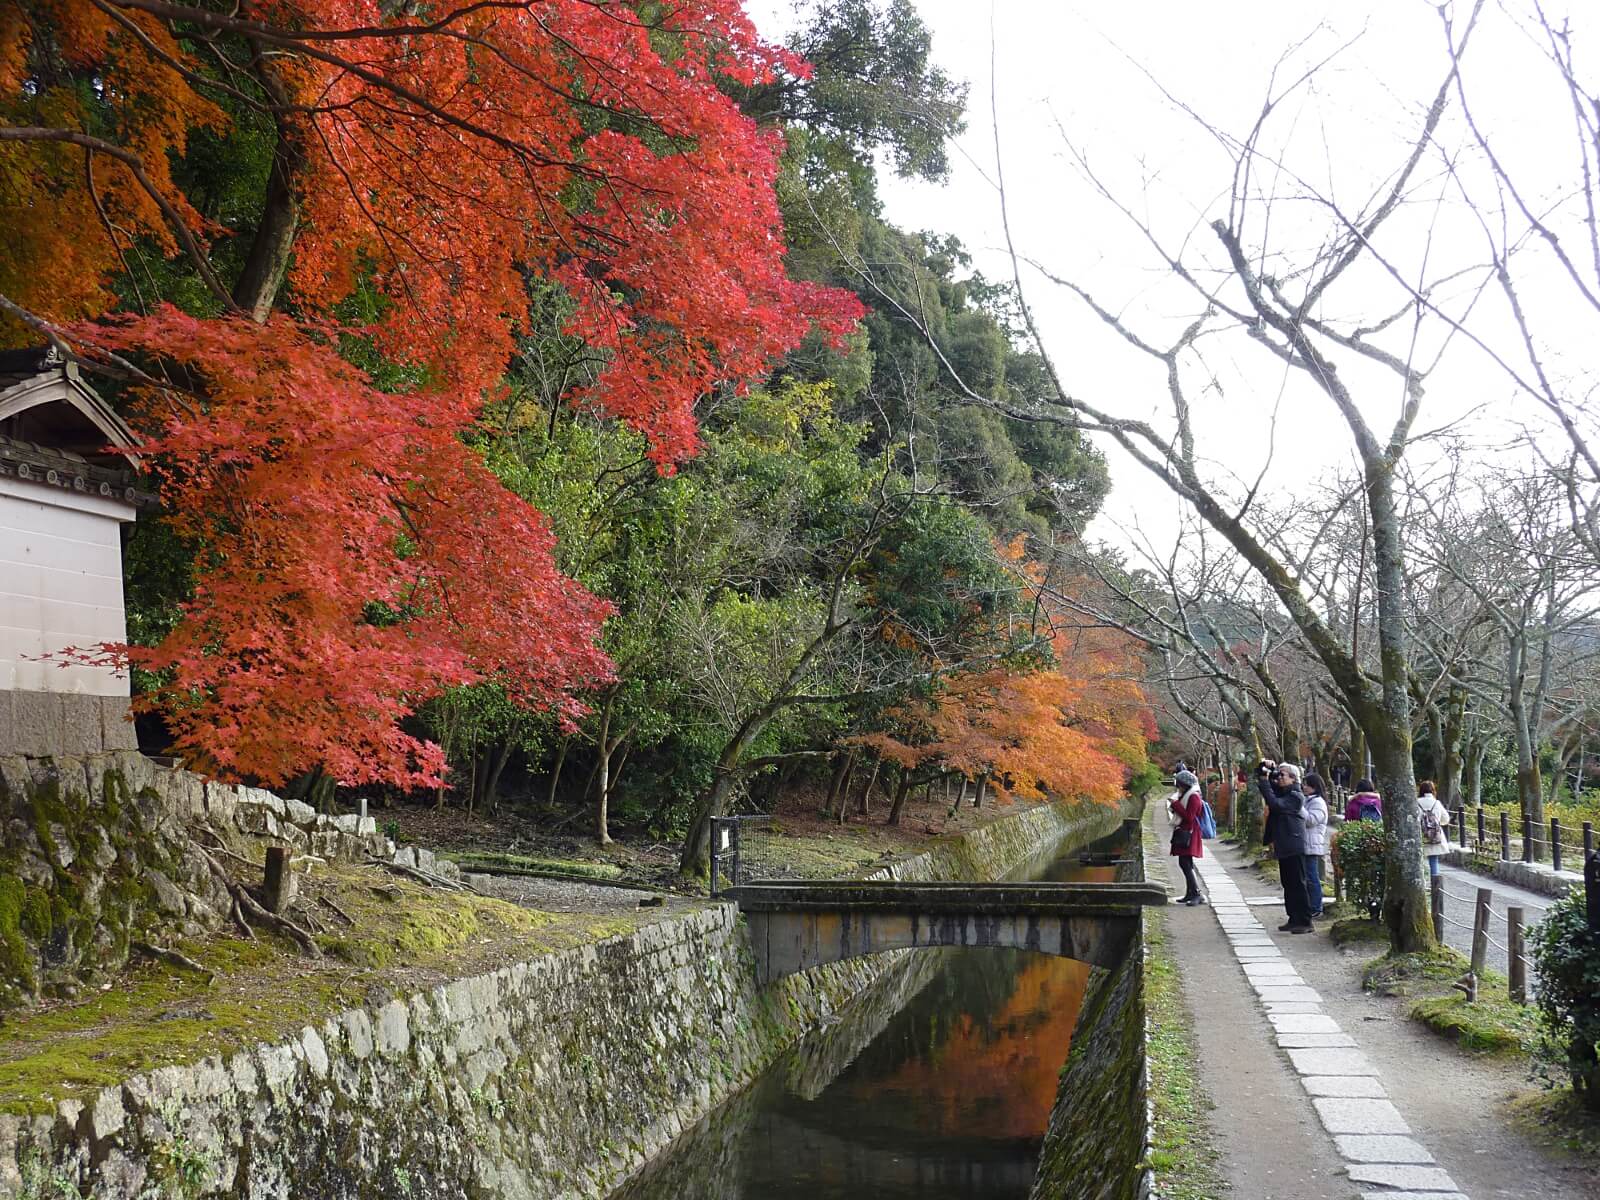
x=1291 y=991
x=1415 y=1179
x=393 y=1033
x=347 y=823
x=366 y=826
x=1303 y=1023
x=299 y=812
x=35 y=724
x=1331 y=1062
x=1269 y=970
x=1344 y=1085
x=1309 y=1041
x=1371 y=1148
x=1344 y=1115
x=1291 y=1006
x=116 y=724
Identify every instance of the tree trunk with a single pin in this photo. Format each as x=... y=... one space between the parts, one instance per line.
x=603 y=747
x=843 y=796
x=1449 y=777
x=266 y=264
x=840 y=772
x=1247 y=821
x=555 y=772
x=900 y=793
x=983 y=786
x=1406 y=910
x=491 y=786
x=1472 y=771
x=866 y=792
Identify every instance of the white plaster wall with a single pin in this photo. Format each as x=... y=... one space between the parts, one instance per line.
x=60 y=586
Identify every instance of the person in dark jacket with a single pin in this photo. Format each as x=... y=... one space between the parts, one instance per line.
x=1280 y=788
x=1186 y=807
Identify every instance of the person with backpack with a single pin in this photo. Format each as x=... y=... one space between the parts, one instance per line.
x=1435 y=819
x=1187 y=844
x=1316 y=822
x=1366 y=804
x=1286 y=803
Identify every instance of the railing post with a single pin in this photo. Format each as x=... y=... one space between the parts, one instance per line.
x=1480 y=940
x=1591 y=891
x=1461 y=826
x=1555 y=843
x=1481 y=838
x=1588 y=840
x=1527 y=838
x=1518 y=969
x=1505 y=837
x=1437 y=897
x=720 y=839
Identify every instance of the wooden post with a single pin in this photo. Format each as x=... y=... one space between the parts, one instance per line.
x=1461 y=826
x=1527 y=838
x=1518 y=968
x=1555 y=843
x=1588 y=840
x=1480 y=939
x=280 y=883
x=1481 y=838
x=1505 y=837
x=1591 y=891
x=1437 y=897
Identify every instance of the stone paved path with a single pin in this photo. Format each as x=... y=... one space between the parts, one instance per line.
x=1381 y=1156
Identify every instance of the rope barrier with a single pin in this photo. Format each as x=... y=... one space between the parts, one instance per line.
x=1457 y=924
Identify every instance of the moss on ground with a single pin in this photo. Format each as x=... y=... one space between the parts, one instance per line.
x=1184 y=1151
x=1358 y=931
x=405 y=937
x=1556 y=1118
x=1490 y=1024
x=474 y=860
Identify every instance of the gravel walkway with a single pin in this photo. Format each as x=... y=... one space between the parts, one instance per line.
x=572 y=895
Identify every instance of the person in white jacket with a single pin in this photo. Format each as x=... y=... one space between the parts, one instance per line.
x=1435 y=819
x=1315 y=815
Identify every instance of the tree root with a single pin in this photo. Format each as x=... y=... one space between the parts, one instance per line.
x=424 y=877
x=246 y=910
x=346 y=917
x=172 y=958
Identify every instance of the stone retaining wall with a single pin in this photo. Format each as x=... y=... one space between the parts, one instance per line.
x=100 y=851
x=557 y=1077
x=1102 y=1110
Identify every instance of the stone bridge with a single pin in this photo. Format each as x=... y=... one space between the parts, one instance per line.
x=798 y=925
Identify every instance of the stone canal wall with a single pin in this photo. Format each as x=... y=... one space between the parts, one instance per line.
x=556 y=1077
x=1102 y=1110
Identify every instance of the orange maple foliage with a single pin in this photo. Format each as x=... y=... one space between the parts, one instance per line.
x=1073 y=729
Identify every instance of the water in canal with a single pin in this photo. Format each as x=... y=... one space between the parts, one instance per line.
x=940 y=1089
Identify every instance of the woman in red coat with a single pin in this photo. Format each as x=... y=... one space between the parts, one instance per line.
x=1186 y=807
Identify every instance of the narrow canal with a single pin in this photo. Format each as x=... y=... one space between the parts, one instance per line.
x=940 y=1087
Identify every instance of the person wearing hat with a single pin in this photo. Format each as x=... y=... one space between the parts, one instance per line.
x=1186 y=840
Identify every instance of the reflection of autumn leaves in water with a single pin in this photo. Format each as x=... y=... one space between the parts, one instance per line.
x=995 y=1077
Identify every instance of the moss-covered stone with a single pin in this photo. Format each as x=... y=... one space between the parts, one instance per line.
x=319 y=1079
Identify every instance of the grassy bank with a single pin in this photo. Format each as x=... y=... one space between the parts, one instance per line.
x=1184 y=1153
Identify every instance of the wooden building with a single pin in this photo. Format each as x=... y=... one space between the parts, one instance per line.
x=66 y=495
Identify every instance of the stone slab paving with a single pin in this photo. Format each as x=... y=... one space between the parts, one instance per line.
x=1383 y=1159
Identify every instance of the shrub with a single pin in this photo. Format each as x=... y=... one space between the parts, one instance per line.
x=1359 y=848
x=1567 y=957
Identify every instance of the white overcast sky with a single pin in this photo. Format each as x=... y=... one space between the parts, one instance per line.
x=1086 y=69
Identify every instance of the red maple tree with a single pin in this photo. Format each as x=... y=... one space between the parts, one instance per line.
x=355 y=556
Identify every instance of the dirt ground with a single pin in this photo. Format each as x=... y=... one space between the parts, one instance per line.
x=1454 y=1100
x=799 y=841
